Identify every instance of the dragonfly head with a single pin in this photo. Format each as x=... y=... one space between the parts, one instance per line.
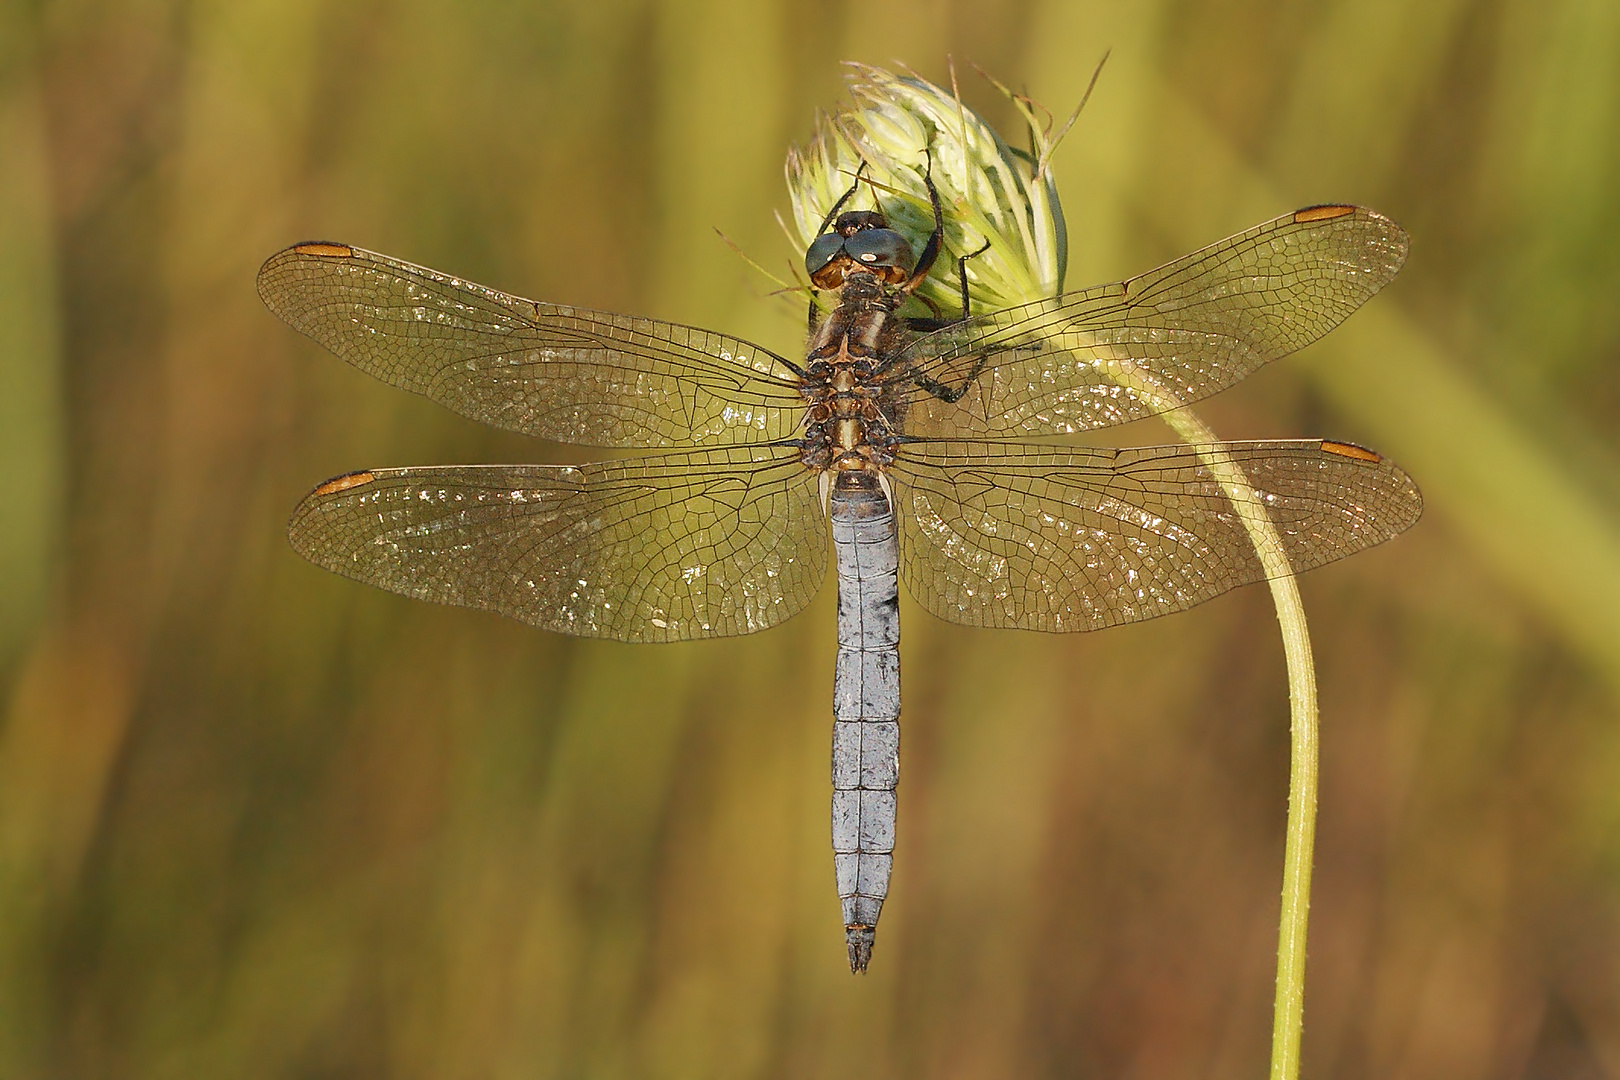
x=861 y=240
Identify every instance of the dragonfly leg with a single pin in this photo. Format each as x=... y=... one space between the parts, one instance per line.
x=939 y=322
x=827 y=221
x=952 y=394
x=936 y=239
x=961 y=275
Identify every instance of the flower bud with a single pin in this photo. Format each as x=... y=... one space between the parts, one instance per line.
x=903 y=128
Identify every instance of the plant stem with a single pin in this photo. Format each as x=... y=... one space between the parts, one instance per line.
x=1288 y=1010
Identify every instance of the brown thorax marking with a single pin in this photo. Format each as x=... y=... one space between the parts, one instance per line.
x=845 y=425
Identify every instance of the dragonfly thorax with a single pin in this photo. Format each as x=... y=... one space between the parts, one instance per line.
x=850 y=421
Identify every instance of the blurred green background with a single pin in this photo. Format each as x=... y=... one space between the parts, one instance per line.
x=256 y=820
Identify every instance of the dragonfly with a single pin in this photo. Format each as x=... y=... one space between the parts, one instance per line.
x=901 y=437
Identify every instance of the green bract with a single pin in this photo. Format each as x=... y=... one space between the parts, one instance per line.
x=903 y=127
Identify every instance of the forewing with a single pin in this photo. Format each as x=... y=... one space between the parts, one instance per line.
x=1046 y=538
x=570 y=374
x=705 y=544
x=1170 y=337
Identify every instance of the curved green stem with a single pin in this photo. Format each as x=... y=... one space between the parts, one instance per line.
x=1288 y=1009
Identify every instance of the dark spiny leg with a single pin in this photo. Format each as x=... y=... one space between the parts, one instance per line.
x=939 y=322
x=951 y=395
x=948 y=394
x=827 y=221
x=936 y=239
x=961 y=275
x=925 y=263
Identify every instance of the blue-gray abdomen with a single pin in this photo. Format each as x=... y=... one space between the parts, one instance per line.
x=866 y=703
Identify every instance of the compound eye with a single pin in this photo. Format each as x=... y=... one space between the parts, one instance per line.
x=822 y=251
x=880 y=248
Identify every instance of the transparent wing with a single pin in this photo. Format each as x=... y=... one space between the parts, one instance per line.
x=569 y=374
x=1047 y=538
x=1188 y=329
x=705 y=544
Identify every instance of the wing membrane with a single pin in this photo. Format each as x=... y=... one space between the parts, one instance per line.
x=705 y=544
x=1179 y=333
x=1047 y=538
x=578 y=376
